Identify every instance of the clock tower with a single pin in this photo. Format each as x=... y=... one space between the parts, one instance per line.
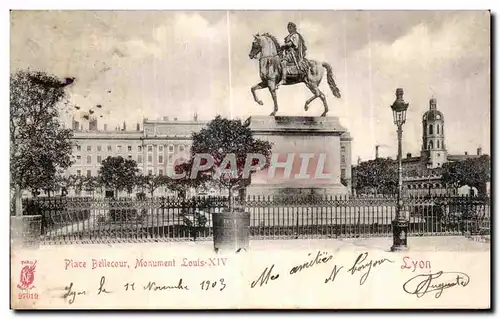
x=433 y=148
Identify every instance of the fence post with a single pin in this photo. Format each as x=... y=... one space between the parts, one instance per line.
x=25 y=231
x=162 y=209
x=193 y=210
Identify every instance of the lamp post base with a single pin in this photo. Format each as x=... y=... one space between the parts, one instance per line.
x=399 y=235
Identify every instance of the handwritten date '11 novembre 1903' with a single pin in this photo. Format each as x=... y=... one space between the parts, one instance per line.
x=71 y=292
x=418 y=285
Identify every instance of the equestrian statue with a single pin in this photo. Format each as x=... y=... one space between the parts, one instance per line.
x=287 y=65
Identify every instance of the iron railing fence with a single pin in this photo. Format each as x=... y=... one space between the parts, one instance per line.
x=174 y=218
x=171 y=218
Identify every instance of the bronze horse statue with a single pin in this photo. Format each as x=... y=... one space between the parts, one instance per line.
x=270 y=70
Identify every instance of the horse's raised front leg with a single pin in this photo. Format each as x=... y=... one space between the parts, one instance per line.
x=317 y=93
x=314 y=97
x=306 y=106
x=272 y=90
x=325 y=104
x=256 y=87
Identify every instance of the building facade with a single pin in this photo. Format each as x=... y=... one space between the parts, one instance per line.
x=155 y=147
x=421 y=173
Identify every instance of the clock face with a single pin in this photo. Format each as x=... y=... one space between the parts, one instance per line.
x=438 y=117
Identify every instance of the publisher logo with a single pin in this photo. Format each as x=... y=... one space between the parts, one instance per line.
x=27 y=277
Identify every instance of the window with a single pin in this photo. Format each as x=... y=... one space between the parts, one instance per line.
x=139 y=158
x=89 y=159
x=89 y=173
x=129 y=156
x=170 y=159
x=160 y=148
x=119 y=148
x=437 y=129
x=110 y=148
x=431 y=145
x=342 y=149
x=99 y=148
x=437 y=143
x=139 y=148
x=78 y=148
x=129 y=148
x=342 y=159
x=150 y=158
x=181 y=148
x=430 y=129
x=160 y=171
x=160 y=159
x=79 y=173
x=89 y=148
x=150 y=171
x=150 y=148
x=99 y=159
x=170 y=148
x=78 y=159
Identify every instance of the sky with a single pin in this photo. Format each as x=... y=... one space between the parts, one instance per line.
x=152 y=64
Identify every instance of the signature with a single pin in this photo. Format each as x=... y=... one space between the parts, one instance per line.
x=438 y=282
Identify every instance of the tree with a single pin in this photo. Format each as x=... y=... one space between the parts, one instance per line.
x=378 y=175
x=64 y=183
x=39 y=145
x=78 y=183
x=46 y=181
x=228 y=142
x=91 y=183
x=474 y=172
x=152 y=182
x=118 y=173
x=51 y=183
x=183 y=185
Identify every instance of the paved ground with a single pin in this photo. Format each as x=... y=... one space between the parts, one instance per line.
x=416 y=244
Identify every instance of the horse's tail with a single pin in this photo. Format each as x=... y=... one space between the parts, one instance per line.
x=330 y=80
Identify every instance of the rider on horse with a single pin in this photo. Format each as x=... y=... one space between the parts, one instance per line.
x=294 y=51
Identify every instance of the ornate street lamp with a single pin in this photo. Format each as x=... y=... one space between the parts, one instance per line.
x=399 y=224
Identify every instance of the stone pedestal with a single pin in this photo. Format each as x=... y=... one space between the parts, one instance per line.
x=317 y=148
x=231 y=231
x=25 y=231
x=399 y=234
